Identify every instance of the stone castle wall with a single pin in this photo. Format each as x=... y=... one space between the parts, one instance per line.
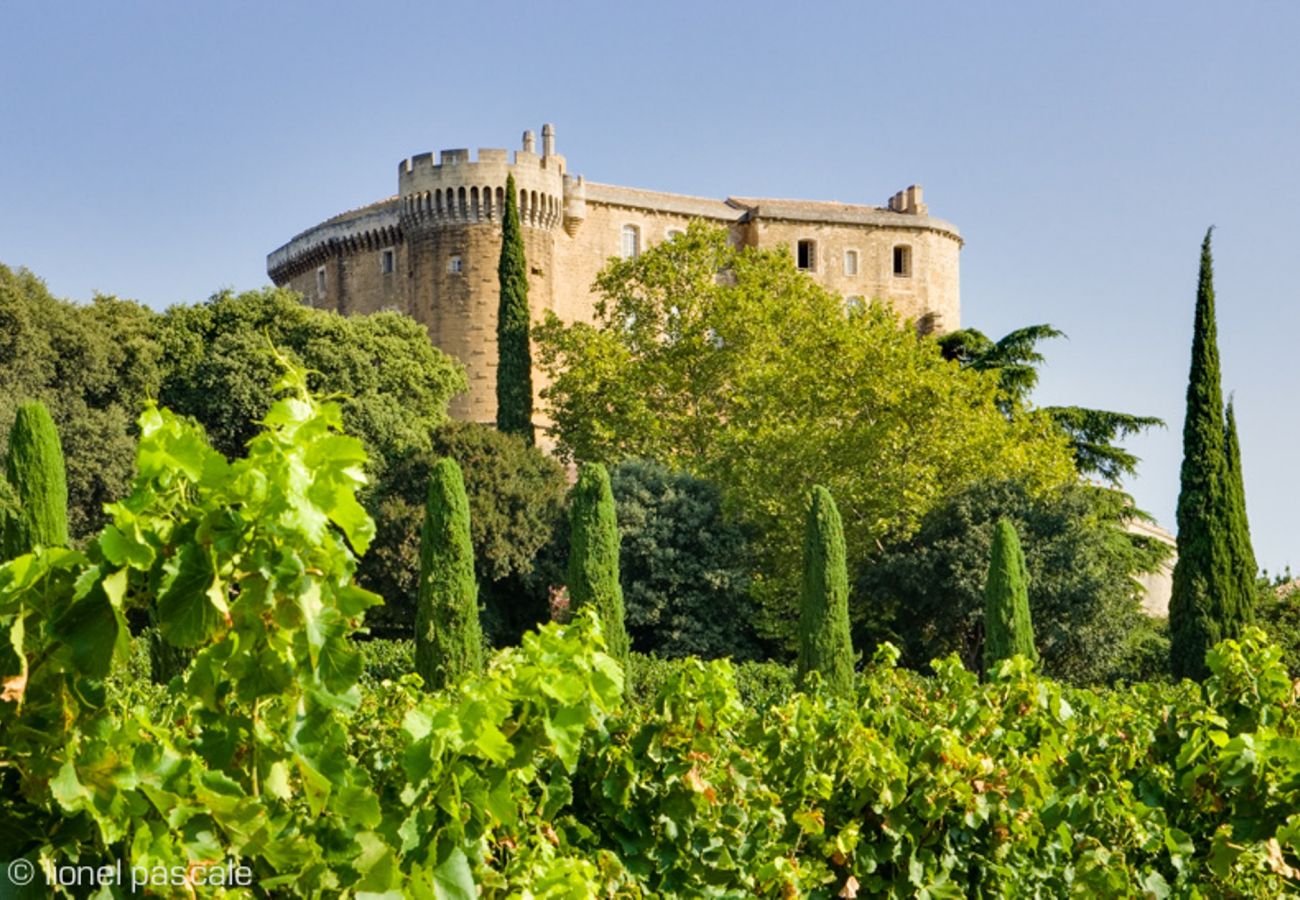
x=431 y=251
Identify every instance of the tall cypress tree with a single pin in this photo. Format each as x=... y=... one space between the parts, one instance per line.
x=593 y=556
x=1207 y=603
x=448 y=637
x=34 y=469
x=514 y=354
x=824 y=642
x=1007 y=628
x=1244 y=570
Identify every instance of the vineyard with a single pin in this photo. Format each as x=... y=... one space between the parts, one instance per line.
x=285 y=745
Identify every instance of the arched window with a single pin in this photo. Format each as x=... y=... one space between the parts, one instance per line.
x=631 y=242
x=464 y=206
x=473 y=203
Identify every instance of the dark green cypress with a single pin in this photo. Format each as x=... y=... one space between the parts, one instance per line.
x=824 y=643
x=1207 y=603
x=514 y=353
x=1008 y=630
x=593 y=556
x=1244 y=570
x=34 y=469
x=448 y=637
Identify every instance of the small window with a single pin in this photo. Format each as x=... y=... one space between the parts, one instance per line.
x=386 y=262
x=320 y=281
x=903 y=261
x=850 y=262
x=631 y=242
x=806 y=255
x=673 y=233
x=455 y=266
x=853 y=305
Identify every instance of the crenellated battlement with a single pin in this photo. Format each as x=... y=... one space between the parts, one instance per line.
x=464 y=189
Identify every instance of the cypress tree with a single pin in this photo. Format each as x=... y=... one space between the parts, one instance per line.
x=1244 y=570
x=824 y=643
x=34 y=469
x=514 y=355
x=1007 y=628
x=448 y=637
x=593 y=556
x=1207 y=603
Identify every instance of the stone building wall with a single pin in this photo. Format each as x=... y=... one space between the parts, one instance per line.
x=443 y=229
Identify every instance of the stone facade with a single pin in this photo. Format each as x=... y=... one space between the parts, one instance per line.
x=431 y=251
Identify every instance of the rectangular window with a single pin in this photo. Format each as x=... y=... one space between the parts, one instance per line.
x=631 y=242
x=320 y=281
x=386 y=262
x=806 y=255
x=902 y=261
x=850 y=262
x=454 y=265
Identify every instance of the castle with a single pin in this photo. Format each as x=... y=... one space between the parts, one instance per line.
x=431 y=251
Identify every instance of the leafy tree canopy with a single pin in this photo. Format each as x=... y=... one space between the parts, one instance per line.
x=219 y=366
x=927 y=593
x=685 y=567
x=516 y=504
x=93 y=366
x=730 y=364
x=1015 y=358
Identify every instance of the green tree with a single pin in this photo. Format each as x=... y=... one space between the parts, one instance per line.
x=448 y=638
x=593 y=555
x=514 y=353
x=92 y=365
x=1208 y=602
x=34 y=469
x=1093 y=433
x=1008 y=630
x=824 y=643
x=759 y=383
x=220 y=360
x=1245 y=571
x=517 y=510
x=685 y=567
x=926 y=594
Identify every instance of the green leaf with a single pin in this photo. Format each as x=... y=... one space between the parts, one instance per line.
x=192 y=607
x=452 y=879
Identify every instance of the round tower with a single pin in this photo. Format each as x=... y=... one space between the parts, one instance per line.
x=451 y=213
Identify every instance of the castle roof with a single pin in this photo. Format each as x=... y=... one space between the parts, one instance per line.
x=682 y=204
x=838 y=213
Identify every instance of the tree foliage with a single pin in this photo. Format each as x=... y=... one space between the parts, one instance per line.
x=448 y=638
x=685 y=567
x=732 y=365
x=1008 y=630
x=92 y=365
x=927 y=593
x=1093 y=433
x=34 y=470
x=1209 y=600
x=824 y=643
x=514 y=350
x=220 y=358
x=516 y=505
x=593 y=555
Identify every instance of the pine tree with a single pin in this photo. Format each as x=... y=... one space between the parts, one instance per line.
x=34 y=469
x=448 y=637
x=824 y=643
x=593 y=556
x=1008 y=630
x=1207 y=603
x=514 y=354
x=1244 y=570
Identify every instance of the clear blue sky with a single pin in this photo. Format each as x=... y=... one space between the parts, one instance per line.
x=160 y=150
